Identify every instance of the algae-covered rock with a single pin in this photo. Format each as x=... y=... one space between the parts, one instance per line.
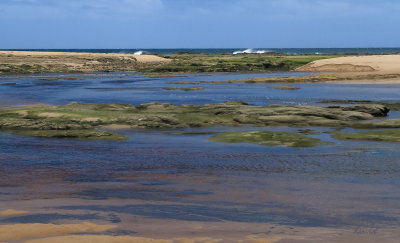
x=76 y=134
x=156 y=115
x=269 y=138
x=284 y=87
x=372 y=109
x=184 y=88
x=379 y=136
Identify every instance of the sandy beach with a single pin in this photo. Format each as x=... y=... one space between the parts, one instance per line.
x=32 y=62
x=382 y=64
x=42 y=54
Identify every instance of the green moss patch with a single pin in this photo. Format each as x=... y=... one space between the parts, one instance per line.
x=193 y=83
x=76 y=134
x=269 y=138
x=184 y=88
x=379 y=136
x=89 y=116
x=285 y=87
x=199 y=62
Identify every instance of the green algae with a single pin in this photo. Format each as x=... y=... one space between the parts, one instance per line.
x=306 y=79
x=285 y=87
x=198 y=62
x=89 y=116
x=192 y=133
x=269 y=139
x=192 y=83
x=379 y=136
x=74 y=134
x=394 y=106
x=184 y=88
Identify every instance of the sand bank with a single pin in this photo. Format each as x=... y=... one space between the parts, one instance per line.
x=21 y=231
x=32 y=62
x=139 y=58
x=382 y=64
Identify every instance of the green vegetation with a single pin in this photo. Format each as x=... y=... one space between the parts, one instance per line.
x=346 y=101
x=184 y=88
x=48 y=63
x=195 y=63
x=192 y=83
x=308 y=132
x=58 y=78
x=76 y=134
x=307 y=79
x=194 y=133
x=268 y=138
x=390 y=105
x=49 y=121
x=380 y=136
x=285 y=87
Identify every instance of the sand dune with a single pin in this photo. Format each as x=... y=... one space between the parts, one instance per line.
x=26 y=62
x=139 y=58
x=384 y=64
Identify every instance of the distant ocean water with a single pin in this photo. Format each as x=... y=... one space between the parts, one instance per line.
x=289 y=51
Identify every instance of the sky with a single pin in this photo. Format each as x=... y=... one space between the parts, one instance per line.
x=49 y=24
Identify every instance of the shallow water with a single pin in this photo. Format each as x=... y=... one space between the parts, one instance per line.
x=132 y=88
x=174 y=177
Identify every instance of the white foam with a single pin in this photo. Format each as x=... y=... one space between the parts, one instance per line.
x=138 y=53
x=251 y=51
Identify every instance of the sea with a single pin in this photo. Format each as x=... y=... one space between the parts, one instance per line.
x=287 y=51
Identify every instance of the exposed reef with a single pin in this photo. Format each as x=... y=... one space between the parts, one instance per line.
x=198 y=62
x=80 y=120
x=379 y=136
x=393 y=106
x=309 y=79
x=285 y=87
x=184 y=88
x=269 y=138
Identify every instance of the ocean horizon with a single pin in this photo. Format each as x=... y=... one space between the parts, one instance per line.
x=287 y=51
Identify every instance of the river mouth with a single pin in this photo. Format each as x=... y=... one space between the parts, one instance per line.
x=180 y=177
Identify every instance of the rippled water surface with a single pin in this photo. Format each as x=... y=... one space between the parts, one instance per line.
x=167 y=175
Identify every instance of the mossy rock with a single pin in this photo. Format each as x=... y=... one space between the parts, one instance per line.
x=184 y=88
x=285 y=87
x=75 y=134
x=393 y=106
x=269 y=138
x=156 y=115
x=379 y=136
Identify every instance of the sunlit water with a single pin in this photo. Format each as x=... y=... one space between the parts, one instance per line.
x=162 y=174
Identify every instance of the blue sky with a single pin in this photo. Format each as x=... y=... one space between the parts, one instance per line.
x=198 y=23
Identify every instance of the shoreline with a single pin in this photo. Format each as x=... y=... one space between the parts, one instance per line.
x=25 y=62
x=345 y=69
